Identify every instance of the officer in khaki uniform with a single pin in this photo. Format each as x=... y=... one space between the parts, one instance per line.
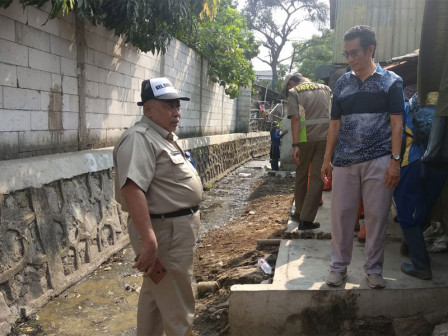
x=161 y=190
x=309 y=111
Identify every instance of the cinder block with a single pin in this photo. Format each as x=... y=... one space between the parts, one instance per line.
x=7 y=29
x=42 y=60
x=15 y=120
x=63 y=47
x=32 y=37
x=136 y=84
x=132 y=108
x=94 y=135
x=114 y=78
x=40 y=20
x=113 y=121
x=66 y=30
x=39 y=120
x=20 y=99
x=70 y=121
x=92 y=89
x=127 y=82
x=13 y=53
x=38 y=140
x=9 y=143
x=15 y=11
x=70 y=103
x=94 y=120
x=70 y=85
x=123 y=67
x=138 y=71
x=115 y=107
x=8 y=75
x=130 y=54
x=1 y=96
x=95 y=41
x=56 y=83
x=68 y=67
x=95 y=74
x=130 y=120
x=113 y=135
x=110 y=92
x=103 y=60
x=96 y=105
x=33 y=79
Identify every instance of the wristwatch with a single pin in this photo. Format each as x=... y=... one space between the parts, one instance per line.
x=296 y=144
x=395 y=157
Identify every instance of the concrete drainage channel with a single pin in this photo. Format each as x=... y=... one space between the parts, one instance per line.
x=298 y=302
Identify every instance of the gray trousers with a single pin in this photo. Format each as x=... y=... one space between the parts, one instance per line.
x=350 y=183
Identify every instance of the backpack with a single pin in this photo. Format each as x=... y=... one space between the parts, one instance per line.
x=422 y=120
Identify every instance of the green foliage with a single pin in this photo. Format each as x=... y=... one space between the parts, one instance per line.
x=314 y=52
x=228 y=45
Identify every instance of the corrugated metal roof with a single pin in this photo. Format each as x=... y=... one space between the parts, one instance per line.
x=397 y=24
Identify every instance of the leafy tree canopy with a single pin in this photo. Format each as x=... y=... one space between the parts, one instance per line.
x=264 y=17
x=312 y=53
x=228 y=45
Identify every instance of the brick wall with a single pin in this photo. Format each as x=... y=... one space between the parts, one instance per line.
x=68 y=86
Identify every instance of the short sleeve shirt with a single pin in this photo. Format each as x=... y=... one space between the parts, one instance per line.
x=158 y=167
x=311 y=101
x=364 y=109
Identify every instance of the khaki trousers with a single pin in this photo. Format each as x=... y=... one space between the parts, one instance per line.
x=168 y=307
x=366 y=180
x=307 y=197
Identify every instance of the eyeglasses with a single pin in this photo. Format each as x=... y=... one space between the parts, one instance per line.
x=352 y=53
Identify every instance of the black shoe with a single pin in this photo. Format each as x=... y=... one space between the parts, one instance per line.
x=295 y=217
x=305 y=225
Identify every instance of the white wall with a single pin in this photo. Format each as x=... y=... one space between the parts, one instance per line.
x=63 y=89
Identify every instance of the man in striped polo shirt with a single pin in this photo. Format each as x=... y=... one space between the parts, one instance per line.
x=365 y=137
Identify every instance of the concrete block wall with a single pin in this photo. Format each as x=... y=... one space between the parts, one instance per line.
x=67 y=85
x=38 y=83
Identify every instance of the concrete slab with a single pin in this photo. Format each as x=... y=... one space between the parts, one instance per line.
x=299 y=302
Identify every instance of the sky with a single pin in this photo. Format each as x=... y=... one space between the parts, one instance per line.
x=305 y=32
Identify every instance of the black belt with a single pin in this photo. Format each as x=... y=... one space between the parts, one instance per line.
x=178 y=213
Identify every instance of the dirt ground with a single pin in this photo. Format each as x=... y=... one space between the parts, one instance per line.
x=228 y=255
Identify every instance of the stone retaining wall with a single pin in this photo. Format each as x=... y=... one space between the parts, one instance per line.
x=53 y=233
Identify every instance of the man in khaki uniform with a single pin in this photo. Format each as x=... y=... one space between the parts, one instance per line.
x=309 y=111
x=161 y=190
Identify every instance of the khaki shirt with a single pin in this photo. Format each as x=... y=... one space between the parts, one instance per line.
x=158 y=167
x=312 y=102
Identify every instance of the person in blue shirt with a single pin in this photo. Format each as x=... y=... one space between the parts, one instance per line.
x=419 y=188
x=365 y=137
x=276 y=135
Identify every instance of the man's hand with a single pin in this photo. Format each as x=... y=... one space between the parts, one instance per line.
x=295 y=155
x=148 y=255
x=139 y=212
x=326 y=171
x=392 y=177
x=284 y=131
